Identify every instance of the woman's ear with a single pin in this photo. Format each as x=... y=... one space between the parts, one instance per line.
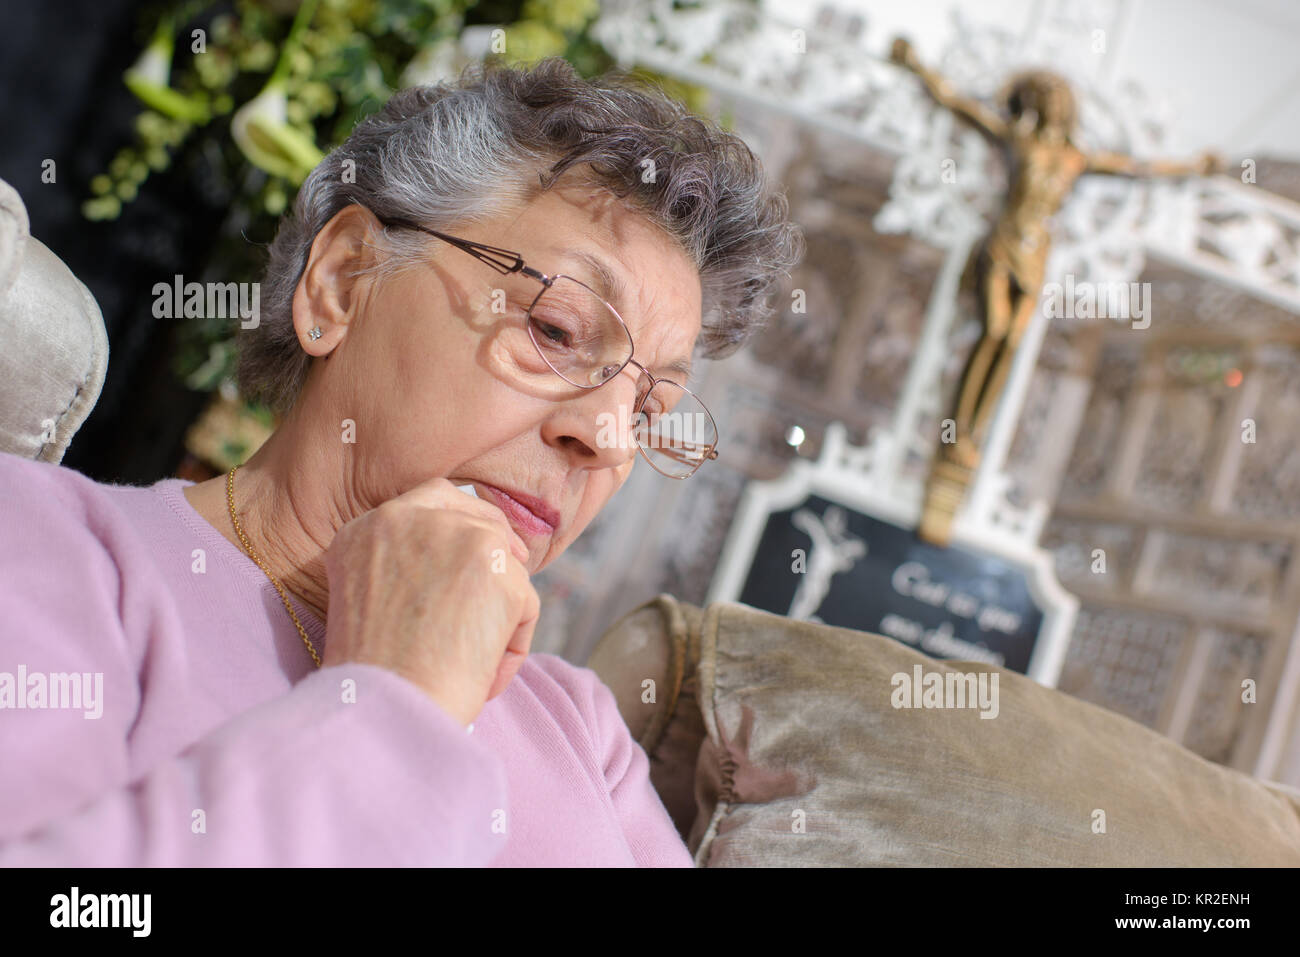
x=327 y=294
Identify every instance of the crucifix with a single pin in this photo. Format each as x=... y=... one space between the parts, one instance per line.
x=1007 y=268
x=833 y=551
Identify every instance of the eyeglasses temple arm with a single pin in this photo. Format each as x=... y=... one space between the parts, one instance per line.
x=677 y=451
x=502 y=260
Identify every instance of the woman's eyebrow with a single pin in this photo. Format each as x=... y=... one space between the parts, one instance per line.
x=608 y=284
x=679 y=365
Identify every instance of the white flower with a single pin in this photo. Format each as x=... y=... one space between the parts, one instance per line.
x=262 y=132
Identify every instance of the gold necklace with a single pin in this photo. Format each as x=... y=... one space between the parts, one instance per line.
x=230 y=498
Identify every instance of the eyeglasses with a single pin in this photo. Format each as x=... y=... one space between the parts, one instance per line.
x=584 y=341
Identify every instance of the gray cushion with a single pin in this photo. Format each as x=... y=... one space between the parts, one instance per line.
x=55 y=348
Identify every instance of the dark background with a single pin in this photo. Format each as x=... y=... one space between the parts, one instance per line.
x=61 y=68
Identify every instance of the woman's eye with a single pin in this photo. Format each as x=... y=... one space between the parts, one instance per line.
x=557 y=328
x=553 y=333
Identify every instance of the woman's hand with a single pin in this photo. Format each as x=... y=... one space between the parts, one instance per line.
x=432 y=585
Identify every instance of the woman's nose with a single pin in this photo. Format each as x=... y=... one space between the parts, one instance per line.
x=596 y=425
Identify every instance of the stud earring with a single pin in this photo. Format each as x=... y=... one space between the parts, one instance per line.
x=314 y=334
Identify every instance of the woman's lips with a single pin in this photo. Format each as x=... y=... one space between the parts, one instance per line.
x=523 y=519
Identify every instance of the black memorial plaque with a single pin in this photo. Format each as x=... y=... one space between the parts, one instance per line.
x=945 y=602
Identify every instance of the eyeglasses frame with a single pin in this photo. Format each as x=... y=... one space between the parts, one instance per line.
x=507 y=262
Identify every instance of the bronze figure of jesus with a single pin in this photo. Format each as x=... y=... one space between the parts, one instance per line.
x=1009 y=264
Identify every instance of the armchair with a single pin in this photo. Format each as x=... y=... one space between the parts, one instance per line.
x=53 y=345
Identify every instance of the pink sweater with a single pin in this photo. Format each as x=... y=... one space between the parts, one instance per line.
x=218 y=742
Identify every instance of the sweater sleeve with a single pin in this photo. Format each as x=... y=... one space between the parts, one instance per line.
x=293 y=782
x=651 y=834
x=353 y=765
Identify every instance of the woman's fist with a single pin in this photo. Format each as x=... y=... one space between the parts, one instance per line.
x=432 y=585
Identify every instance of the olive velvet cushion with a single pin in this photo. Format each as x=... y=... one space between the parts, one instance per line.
x=777 y=742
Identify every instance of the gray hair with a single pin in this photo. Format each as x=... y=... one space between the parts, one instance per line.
x=456 y=151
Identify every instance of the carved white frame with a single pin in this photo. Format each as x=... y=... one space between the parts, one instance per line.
x=858 y=479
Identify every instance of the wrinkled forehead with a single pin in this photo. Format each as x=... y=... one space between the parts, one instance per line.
x=628 y=260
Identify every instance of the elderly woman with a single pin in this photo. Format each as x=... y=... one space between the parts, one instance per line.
x=497 y=287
